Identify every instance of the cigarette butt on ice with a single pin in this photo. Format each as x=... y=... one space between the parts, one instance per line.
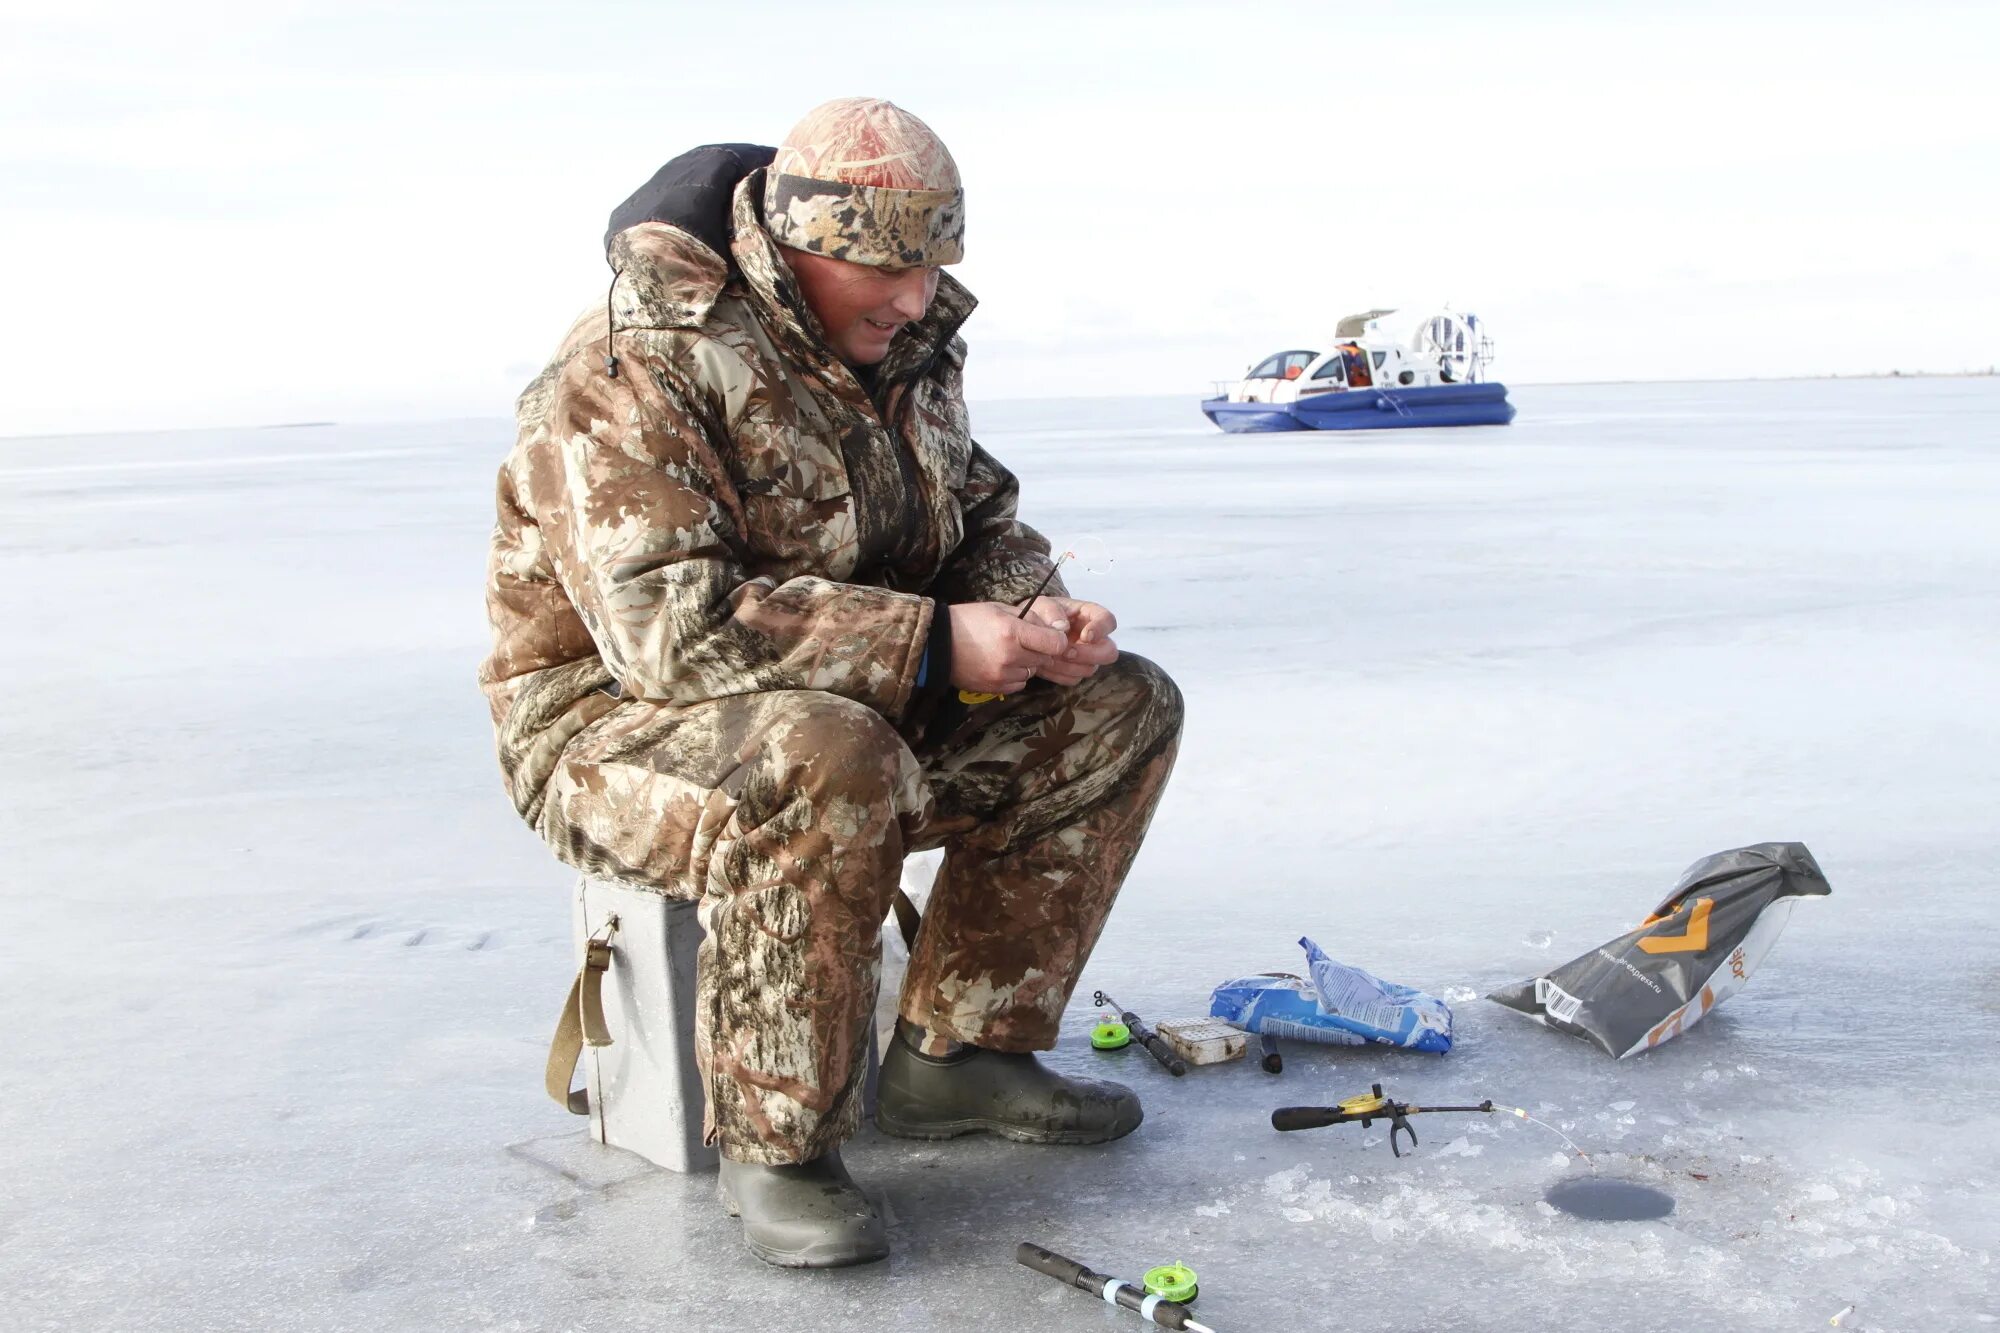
x=1845 y=1311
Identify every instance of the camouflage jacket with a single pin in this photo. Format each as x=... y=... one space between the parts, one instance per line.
x=733 y=510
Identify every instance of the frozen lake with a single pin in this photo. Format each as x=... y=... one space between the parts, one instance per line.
x=281 y=964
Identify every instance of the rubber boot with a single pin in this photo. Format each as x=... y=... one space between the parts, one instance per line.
x=806 y=1215
x=1015 y=1096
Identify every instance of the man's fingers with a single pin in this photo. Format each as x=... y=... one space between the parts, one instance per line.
x=1042 y=640
x=1050 y=612
x=1020 y=657
x=1099 y=653
x=1090 y=622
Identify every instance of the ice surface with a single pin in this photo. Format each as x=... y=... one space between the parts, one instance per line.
x=280 y=965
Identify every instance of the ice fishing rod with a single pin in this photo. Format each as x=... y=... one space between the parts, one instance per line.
x=1368 y=1109
x=1114 y=1291
x=1042 y=587
x=1154 y=1043
x=976 y=697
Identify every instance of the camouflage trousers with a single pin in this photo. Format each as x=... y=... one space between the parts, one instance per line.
x=788 y=815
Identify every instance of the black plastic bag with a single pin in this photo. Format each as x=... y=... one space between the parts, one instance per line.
x=1694 y=952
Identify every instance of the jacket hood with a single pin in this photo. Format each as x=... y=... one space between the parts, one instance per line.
x=668 y=243
x=692 y=192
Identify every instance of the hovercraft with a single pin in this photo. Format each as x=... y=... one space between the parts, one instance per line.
x=1370 y=381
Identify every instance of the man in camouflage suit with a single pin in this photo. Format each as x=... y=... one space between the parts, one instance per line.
x=750 y=581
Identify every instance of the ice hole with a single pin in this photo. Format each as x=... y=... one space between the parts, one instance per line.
x=1601 y=1200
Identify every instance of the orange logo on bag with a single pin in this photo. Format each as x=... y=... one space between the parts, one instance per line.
x=1692 y=940
x=1672 y=1025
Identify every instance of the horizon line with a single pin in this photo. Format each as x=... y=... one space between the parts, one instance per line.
x=1991 y=372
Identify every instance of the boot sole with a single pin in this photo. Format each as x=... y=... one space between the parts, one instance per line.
x=813 y=1256
x=953 y=1129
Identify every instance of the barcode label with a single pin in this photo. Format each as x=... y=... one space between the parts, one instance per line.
x=1556 y=1002
x=1282 y=1027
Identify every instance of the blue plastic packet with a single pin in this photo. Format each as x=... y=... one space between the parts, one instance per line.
x=1341 y=1006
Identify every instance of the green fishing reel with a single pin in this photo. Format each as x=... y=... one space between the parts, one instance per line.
x=1110 y=1036
x=1172 y=1282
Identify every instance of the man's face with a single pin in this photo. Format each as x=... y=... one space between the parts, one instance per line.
x=860 y=306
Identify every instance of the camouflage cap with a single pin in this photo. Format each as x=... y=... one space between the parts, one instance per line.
x=863 y=180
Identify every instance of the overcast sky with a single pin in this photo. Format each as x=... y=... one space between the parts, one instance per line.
x=236 y=214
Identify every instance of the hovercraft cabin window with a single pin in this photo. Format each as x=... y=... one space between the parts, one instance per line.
x=1283 y=366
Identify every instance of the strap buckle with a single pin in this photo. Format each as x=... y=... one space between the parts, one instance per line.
x=582 y=1022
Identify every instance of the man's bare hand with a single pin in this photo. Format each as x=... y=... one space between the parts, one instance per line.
x=994 y=651
x=1087 y=627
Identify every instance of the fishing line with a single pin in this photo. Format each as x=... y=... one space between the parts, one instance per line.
x=1517 y=1111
